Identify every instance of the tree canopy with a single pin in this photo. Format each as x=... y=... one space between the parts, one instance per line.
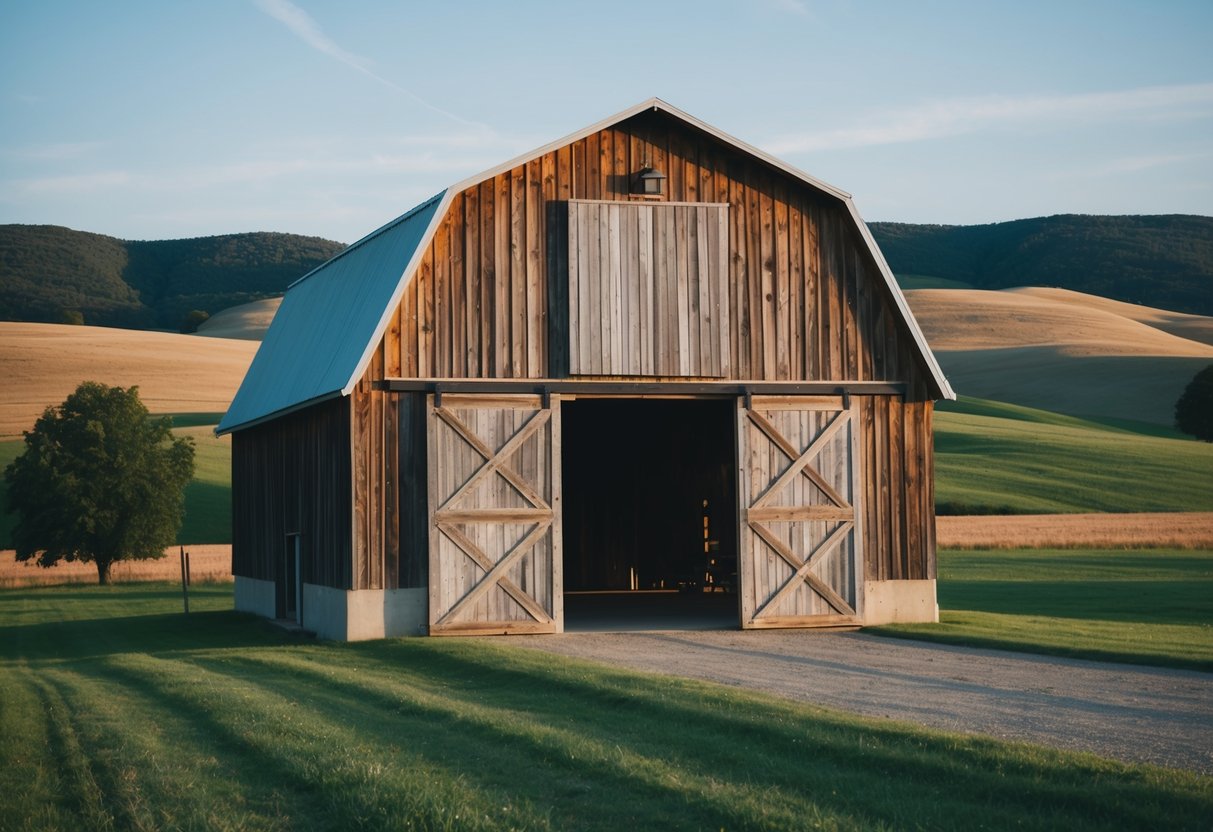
x=47 y=271
x=1163 y=261
x=100 y=480
x=1194 y=410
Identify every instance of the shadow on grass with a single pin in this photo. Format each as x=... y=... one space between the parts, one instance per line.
x=1142 y=601
x=597 y=749
x=59 y=641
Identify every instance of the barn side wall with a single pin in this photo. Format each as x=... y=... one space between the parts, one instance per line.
x=292 y=476
x=897 y=482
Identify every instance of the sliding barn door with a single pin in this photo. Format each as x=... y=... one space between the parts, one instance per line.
x=494 y=498
x=799 y=553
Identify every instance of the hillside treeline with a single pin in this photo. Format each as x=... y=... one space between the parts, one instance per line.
x=50 y=274
x=1163 y=261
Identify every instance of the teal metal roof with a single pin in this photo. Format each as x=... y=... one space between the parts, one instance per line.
x=329 y=321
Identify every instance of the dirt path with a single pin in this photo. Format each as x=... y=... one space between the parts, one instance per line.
x=1125 y=712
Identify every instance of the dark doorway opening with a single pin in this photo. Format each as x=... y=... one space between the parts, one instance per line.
x=649 y=514
x=287 y=589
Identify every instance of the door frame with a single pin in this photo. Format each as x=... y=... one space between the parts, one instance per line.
x=289 y=583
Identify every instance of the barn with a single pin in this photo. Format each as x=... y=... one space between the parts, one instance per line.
x=645 y=358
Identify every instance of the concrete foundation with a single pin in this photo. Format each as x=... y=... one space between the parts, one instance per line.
x=349 y=615
x=255 y=596
x=899 y=602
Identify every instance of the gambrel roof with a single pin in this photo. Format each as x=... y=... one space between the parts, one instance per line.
x=330 y=320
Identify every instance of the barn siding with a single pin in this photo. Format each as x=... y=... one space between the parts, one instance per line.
x=292 y=475
x=806 y=301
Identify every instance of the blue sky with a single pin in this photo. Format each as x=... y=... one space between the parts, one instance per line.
x=150 y=120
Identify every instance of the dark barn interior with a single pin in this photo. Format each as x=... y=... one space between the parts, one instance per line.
x=650 y=507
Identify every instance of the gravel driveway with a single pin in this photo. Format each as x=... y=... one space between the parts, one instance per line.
x=1126 y=712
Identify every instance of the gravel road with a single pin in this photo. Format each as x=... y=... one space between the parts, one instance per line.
x=1126 y=712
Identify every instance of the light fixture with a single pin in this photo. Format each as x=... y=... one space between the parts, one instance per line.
x=648 y=182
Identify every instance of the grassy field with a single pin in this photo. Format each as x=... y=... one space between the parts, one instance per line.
x=119 y=712
x=208 y=498
x=992 y=457
x=1150 y=606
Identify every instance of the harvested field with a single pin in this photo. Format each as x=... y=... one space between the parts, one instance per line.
x=1186 y=530
x=43 y=363
x=209 y=562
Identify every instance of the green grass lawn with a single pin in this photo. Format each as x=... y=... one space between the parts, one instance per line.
x=119 y=712
x=998 y=458
x=1150 y=606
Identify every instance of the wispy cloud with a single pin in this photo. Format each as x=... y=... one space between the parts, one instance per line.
x=959 y=116
x=78 y=183
x=444 y=157
x=305 y=27
x=796 y=7
x=56 y=151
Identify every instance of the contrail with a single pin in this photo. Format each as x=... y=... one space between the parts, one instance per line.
x=305 y=27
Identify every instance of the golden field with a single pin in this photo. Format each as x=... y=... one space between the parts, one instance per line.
x=1064 y=351
x=43 y=363
x=1171 y=530
x=210 y=562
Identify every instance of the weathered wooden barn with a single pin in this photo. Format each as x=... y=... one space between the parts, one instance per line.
x=626 y=360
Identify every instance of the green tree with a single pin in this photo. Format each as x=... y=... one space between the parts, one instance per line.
x=1194 y=410
x=194 y=319
x=99 y=481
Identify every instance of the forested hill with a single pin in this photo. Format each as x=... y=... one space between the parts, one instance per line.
x=51 y=274
x=1163 y=261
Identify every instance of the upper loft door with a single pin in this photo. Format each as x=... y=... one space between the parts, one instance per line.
x=494 y=505
x=648 y=290
x=800 y=542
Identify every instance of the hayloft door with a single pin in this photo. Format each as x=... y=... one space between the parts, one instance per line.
x=494 y=508
x=799 y=549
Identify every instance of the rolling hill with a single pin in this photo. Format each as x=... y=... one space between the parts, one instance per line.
x=42 y=363
x=248 y=321
x=1064 y=351
x=1164 y=261
x=50 y=274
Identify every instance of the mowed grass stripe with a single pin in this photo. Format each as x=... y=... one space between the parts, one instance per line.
x=164 y=768
x=314 y=764
x=592 y=757
x=217 y=721
x=1150 y=606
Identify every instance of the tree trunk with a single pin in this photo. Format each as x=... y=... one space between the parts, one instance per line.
x=103 y=571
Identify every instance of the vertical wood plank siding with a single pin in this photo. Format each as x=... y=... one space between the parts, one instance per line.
x=292 y=476
x=491 y=299
x=623 y=272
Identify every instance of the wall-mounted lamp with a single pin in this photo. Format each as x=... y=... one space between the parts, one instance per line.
x=648 y=182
